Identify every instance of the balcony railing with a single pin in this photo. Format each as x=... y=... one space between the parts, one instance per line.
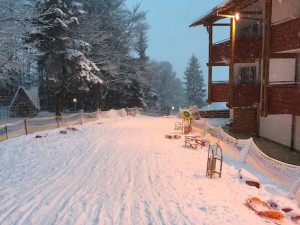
x=284 y=99
x=246 y=50
x=219 y=92
x=285 y=36
x=244 y=94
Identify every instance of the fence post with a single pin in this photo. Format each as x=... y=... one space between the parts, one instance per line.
x=6 y=132
x=81 y=118
x=25 y=125
x=57 y=120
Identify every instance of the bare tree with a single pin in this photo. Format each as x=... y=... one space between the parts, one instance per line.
x=13 y=55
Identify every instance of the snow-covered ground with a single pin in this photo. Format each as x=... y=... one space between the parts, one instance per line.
x=122 y=170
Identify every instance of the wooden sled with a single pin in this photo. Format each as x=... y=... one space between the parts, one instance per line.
x=263 y=209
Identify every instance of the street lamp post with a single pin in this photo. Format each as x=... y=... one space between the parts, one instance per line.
x=75 y=101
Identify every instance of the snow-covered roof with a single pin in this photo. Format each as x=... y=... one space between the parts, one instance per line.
x=32 y=94
x=211 y=16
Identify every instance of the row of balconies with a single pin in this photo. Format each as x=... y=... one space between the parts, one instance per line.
x=282 y=98
x=285 y=37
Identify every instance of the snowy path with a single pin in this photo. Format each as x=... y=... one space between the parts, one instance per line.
x=122 y=171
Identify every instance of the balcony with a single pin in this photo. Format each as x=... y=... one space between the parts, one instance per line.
x=244 y=94
x=219 y=92
x=246 y=50
x=285 y=36
x=284 y=99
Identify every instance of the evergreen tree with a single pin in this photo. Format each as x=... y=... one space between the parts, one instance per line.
x=63 y=66
x=194 y=83
x=167 y=87
x=119 y=41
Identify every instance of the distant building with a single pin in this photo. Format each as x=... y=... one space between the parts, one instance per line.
x=25 y=102
x=263 y=56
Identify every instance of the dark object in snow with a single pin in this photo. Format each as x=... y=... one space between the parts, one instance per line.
x=249 y=179
x=253 y=183
x=72 y=128
x=172 y=136
x=41 y=136
x=63 y=132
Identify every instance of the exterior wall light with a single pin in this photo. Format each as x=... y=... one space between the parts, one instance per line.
x=235 y=16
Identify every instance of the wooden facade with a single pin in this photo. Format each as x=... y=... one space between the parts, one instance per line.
x=279 y=40
x=285 y=37
x=24 y=103
x=266 y=33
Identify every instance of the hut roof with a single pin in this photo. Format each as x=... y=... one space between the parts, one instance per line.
x=31 y=93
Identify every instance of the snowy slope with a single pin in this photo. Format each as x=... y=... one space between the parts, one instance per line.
x=122 y=170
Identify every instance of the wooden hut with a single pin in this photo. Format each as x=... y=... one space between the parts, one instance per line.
x=25 y=102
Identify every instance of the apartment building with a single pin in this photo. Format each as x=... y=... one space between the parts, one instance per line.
x=263 y=56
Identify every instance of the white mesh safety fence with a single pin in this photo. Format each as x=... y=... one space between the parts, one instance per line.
x=282 y=173
x=246 y=151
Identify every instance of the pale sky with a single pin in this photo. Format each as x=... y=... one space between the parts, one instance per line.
x=170 y=38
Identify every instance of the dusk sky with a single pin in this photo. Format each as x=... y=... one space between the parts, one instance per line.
x=170 y=38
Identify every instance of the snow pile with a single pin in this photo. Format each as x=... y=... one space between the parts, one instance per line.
x=122 y=170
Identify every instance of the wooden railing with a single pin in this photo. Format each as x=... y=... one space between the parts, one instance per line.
x=246 y=50
x=283 y=98
x=244 y=94
x=219 y=92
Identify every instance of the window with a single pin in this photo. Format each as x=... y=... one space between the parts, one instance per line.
x=255 y=29
x=251 y=31
x=248 y=74
x=246 y=32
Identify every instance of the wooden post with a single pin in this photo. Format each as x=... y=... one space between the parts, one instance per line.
x=6 y=132
x=25 y=126
x=231 y=62
x=57 y=120
x=210 y=62
x=266 y=57
x=81 y=119
x=293 y=132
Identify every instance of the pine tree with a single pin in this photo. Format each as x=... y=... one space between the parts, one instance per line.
x=62 y=64
x=167 y=87
x=194 y=83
